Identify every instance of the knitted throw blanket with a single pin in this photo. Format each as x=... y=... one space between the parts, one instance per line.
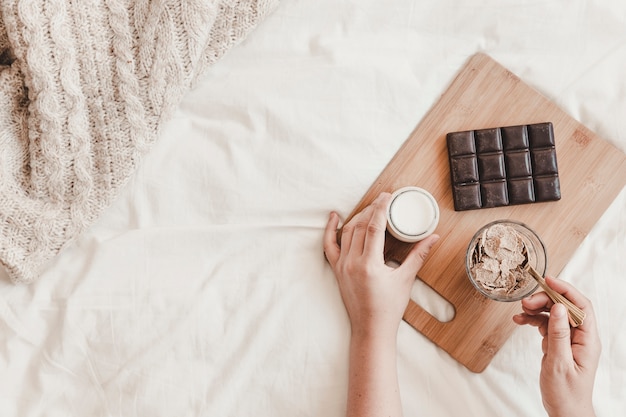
x=84 y=87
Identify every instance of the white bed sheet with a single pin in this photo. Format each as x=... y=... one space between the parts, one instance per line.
x=203 y=290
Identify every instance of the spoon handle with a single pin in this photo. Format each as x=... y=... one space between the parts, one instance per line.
x=576 y=315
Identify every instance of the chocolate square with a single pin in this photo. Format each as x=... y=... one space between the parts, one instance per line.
x=514 y=137
x=544 y=162
x=541 y=135
x=503 y=166
x=521 y=191
x=488 y=140
x=461 y=143
x=547 y=188
x=464 y=169
x=491 y=166
x=467 y=197
x=518 y=164
x=494 y=194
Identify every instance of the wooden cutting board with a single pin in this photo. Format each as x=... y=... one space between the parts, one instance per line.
x=592 y=172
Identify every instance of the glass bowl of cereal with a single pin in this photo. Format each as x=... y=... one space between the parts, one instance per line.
x=496 y=257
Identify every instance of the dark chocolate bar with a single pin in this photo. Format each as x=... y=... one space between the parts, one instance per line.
x=503 y=166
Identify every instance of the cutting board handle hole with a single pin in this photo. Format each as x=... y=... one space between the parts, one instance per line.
x=428 y=299
x=431 y=301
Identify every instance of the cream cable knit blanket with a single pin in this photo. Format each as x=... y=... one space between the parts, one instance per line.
x=84 y=87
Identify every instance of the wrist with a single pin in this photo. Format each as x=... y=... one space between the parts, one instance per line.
x=374 y=333
x=579 y=410
x=372 y=348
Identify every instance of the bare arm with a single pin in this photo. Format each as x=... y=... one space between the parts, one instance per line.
x=375 y=297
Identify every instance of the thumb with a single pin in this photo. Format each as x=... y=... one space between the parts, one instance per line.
x=559 y=342
x=416 y=258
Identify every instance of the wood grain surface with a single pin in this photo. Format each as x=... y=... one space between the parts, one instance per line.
x=592 y=172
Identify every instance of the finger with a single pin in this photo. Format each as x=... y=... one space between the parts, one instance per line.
x=416 y=258
x=559 y=335
x=537 y=303
x=532 y=320
x=347 y=231
x=571 y=293
x=331 y=248
x=538 y=321
x=360 y=222
x=374 y=244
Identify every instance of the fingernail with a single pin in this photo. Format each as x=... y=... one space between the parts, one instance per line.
x=558 y=310
x=432 y=243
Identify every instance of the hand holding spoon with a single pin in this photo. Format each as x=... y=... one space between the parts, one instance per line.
x=576 y=315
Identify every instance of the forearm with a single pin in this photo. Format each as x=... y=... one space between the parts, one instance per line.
x=373 y=381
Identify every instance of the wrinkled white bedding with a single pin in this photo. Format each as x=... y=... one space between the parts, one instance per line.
x=203 y=290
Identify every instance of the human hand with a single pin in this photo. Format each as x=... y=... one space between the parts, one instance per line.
x=570 y=355
x=375 y=295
